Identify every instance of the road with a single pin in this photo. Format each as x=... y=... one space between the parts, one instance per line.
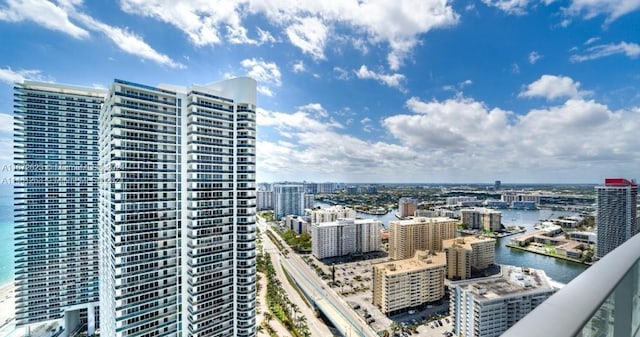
x=316 y=326
x=334 y=307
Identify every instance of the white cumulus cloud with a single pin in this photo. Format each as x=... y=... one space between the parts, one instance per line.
x=44 y=13
x=454 y=139
x=310 y=35
x=390 y=80
x=612 y=9
x=201 y=20
x=266 y=73
x=11 y=76
x=128 y=41
x=631 y=50
x=552 y=87
x=6 y=123
x=58 y=17
x=398 y=24
x=517 y=7
x=588 y=9
x=298 y=67
x=534 y=56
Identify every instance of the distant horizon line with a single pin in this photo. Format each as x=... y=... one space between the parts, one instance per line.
x=416 y=183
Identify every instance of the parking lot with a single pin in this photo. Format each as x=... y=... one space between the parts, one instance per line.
x=353 y=282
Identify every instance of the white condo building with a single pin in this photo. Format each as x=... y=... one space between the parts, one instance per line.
x=264 y=200
x=288 y=199
x=331 y=214
x=309 y=201
x=487 y=307
x=457 y=201
x=344 y=237
x=326 y=187
x=177 y=210
x=482 y=218
x=616 y=220
x=56 y=204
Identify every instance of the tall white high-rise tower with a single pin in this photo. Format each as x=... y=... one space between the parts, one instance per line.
x=288 y=199
x=177 y=210
x=616 y=214
x=56 y=204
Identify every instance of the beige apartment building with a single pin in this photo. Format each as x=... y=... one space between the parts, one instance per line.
x=482 y=218
x=409 y=283
x=467 y=254
x=407 y=207
x=408 y=236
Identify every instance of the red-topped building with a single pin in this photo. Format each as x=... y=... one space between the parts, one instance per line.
x=616 y=213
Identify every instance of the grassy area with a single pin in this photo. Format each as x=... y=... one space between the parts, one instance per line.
x=295 y=286
x=299 y=243
x=546 y=252
x=266 y=215
x=277 y=242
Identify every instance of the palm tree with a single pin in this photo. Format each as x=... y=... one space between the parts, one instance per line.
x=302 y=320
x=295 y=309
x=305 y=331
x=395 y=327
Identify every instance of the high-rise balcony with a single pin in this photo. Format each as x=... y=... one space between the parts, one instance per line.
x=604 y=301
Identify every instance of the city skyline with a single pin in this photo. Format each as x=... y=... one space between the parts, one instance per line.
x=409 y=91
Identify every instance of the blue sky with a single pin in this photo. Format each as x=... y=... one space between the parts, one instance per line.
x=370 y=90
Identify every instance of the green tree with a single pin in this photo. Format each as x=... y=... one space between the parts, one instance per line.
x=395 y=327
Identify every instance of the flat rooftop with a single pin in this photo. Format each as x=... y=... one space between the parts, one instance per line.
x=418 y=220
x=421 y=260
x=465 y=241
x=344 y=222
x=482 y=210
x=511 y=281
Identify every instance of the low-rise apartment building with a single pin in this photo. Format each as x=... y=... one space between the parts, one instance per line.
x=488 y=307
x=298 y=224
x=344 y=237
x=468 y=254
x=331 y=214
x=409 y=283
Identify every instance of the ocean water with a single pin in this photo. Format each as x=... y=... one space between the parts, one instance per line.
x=6 y=233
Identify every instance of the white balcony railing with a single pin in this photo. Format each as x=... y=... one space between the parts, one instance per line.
x=603 y=301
